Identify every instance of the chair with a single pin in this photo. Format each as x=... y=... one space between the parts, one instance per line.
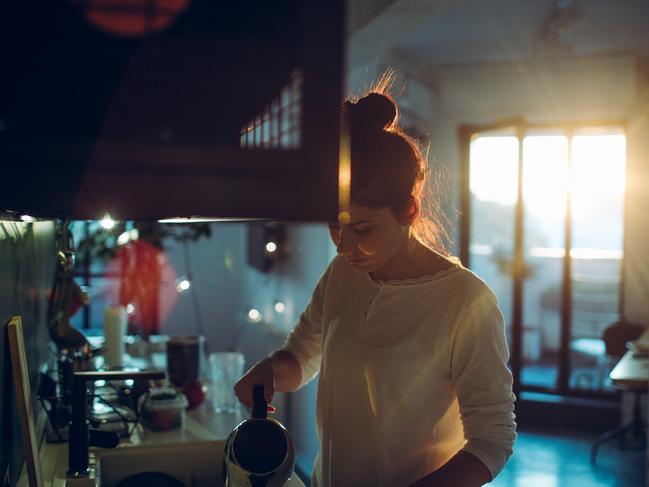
x=615 y=337
x=594 y=305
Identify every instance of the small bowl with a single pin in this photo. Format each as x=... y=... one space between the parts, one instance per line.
x=163 y=409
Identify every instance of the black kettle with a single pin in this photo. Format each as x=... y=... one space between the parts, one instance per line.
x=259 y=452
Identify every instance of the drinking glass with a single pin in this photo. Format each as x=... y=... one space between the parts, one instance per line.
x=226 y=368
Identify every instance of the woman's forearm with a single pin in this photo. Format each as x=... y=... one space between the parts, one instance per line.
x=462 y=469
x=287 y=371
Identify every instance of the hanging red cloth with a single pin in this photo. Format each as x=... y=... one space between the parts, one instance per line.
x=141 y=268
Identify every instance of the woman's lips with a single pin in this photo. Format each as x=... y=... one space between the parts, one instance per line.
x=355 y=261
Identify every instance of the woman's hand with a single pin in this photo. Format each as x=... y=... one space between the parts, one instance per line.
x=280 y=372
x=261 y=373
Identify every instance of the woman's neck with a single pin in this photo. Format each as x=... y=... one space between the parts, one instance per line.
x=412 y=260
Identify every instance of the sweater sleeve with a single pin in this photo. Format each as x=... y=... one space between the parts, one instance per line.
x=484 y=383
x=305 y=341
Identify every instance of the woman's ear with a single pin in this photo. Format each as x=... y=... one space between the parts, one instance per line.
x=411 y=212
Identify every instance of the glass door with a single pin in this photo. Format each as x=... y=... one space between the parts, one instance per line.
x=597 y=183
x=494 y=188
x=533 y=193
x=545 y=203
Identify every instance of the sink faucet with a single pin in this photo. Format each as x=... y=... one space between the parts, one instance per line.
x=79 y=433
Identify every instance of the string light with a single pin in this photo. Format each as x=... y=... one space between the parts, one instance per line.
x=271 y=247
x=280 y=307
x=254 y=315
x=183 y=284
x=127 y=236
x=130 y=308
x=107 y=222
x=123 y=238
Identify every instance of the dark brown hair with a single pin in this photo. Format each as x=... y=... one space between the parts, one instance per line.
x=387 y=165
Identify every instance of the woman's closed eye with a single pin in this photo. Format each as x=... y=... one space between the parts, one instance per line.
x=357 y=229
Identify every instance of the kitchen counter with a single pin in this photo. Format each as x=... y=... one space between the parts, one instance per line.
x=201 y=424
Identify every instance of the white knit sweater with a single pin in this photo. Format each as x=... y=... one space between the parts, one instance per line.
x=411 y=372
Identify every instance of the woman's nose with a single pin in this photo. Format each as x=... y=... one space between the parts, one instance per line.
x=346 y=243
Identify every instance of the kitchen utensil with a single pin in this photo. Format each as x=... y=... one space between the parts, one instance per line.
x=163 y=409
x=259 y=452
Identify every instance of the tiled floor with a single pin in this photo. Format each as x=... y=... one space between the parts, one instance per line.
x=557 y=458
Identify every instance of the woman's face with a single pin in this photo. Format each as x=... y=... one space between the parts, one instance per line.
x=371 y=239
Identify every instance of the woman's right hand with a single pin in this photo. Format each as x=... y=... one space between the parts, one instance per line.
x=261 y=373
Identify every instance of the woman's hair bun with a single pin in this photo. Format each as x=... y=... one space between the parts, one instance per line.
x=376 y=111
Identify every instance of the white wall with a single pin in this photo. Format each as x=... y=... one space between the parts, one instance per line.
x=217 y=265
x=226 y=286
x=637 y=203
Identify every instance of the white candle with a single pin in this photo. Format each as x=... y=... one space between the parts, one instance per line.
x=115 y=319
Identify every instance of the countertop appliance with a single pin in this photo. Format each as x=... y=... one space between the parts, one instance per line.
x=259 y=452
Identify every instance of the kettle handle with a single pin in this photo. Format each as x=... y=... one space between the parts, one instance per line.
x=259 y=405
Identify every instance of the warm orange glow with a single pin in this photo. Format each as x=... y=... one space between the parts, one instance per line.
x=133 y=17
x=370 y=380
x=344 y=173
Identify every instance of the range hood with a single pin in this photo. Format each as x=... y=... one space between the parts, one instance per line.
x=171 y=108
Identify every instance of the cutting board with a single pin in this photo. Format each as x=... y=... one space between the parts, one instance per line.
x=20 y=374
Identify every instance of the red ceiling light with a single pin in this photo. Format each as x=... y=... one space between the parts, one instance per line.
x=132 y=18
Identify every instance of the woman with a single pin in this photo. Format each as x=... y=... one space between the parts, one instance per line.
x=410 y=347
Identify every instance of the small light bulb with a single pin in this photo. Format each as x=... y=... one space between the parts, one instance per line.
x=271 y=247
x=27 y=218
x=130 y=308
x=254 y=315
x=280 y=307
x=107 y=222
x=123 y=238
x=183 y=285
